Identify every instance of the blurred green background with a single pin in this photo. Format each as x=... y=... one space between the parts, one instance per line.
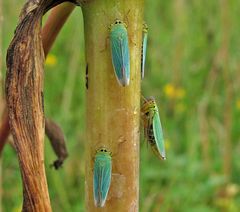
x=192 y=69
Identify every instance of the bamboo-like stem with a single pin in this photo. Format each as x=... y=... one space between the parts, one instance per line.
x=53 y=25
x=113 y=111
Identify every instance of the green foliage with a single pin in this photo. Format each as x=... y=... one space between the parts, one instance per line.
x=184 y=40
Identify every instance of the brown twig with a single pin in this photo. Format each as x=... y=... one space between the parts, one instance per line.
x=24 y=95
x=50 y=31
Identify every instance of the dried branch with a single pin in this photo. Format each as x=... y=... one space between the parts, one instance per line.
x=50 y=31
x=24 y=94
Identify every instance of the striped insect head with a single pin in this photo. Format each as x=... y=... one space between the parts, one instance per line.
x=117 y=22
x=149 y=105
x=104 y=150
x=145 y=27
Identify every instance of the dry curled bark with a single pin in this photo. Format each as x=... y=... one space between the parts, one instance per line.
x=49 y=34
x=24 y=95
x=50 y=31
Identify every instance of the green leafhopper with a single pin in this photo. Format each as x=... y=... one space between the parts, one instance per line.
x=102 y=176
x=152 y=127
x=120 y=52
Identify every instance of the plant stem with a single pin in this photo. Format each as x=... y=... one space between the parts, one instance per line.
x=113 y=111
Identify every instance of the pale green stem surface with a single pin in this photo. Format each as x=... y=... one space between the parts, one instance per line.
x=113 y=112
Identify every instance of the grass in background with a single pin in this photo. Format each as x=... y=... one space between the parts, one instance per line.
x=184 y=71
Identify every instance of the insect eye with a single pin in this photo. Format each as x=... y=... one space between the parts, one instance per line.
x=147 y=113
x=105 y=150
x=101 y=150
x=116 y=22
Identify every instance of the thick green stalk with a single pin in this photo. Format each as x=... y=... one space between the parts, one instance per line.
x=113 y=111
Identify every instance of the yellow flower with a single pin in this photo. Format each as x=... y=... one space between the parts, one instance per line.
x=180 y=93
x=51 y=60
x=172 y=92
x=169 y=91
x=238 y=104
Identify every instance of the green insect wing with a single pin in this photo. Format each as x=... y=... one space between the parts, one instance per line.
x=158 y=135
x=144 y=48
x=120 y=52
x=102 y=176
